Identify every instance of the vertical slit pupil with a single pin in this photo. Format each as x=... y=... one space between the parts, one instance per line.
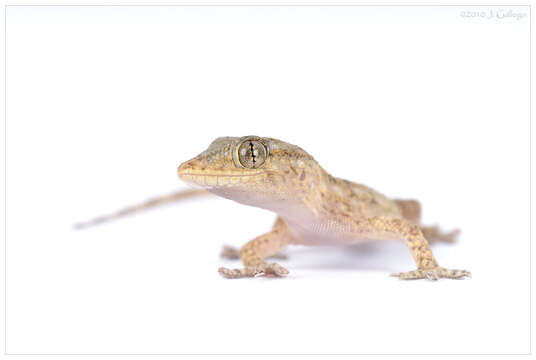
x=252 y=152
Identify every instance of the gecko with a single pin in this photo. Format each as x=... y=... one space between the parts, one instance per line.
x=312 y=206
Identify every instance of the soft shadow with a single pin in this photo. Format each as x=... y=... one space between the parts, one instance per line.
x=382 y=256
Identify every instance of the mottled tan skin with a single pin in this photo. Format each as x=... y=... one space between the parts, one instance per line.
x=313 y=207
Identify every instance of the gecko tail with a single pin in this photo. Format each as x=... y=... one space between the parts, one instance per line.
x=150 y=203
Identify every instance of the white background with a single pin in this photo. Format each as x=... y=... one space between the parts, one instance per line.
x=103 y=103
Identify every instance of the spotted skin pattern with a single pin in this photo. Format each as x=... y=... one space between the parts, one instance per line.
x=313 y=207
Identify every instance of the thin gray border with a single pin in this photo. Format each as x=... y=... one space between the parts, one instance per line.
x=5 y=179
x=273 y=5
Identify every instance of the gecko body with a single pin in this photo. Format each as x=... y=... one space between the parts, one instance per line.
x=313 y=207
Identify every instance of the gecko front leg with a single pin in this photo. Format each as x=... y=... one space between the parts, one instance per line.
x=254 y=253
x=427 y=267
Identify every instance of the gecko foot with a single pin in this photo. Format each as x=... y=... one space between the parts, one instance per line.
x=273 y=269
x=229 y=252
x=432 y=274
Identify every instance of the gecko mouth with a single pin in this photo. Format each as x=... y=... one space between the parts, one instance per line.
x=210 y=180
x=191 y=174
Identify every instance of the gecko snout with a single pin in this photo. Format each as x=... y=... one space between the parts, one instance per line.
x=187 y=167
x=193 y=171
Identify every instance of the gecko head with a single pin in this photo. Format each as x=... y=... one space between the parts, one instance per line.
x=252 y=170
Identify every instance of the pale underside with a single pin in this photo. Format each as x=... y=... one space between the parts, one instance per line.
x=331 y=222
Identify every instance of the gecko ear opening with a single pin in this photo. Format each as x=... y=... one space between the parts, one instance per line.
x=251 y=153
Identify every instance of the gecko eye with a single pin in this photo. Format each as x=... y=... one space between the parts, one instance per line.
x=252 y=154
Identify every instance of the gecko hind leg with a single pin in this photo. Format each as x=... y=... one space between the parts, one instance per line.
x=232 y=253
x=412 y=211
x=254 y=253
x=434 y=234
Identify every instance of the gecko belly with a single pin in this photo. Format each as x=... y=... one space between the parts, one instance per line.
x=327 y=232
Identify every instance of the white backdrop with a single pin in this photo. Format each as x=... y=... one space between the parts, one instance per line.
x=103 y=103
